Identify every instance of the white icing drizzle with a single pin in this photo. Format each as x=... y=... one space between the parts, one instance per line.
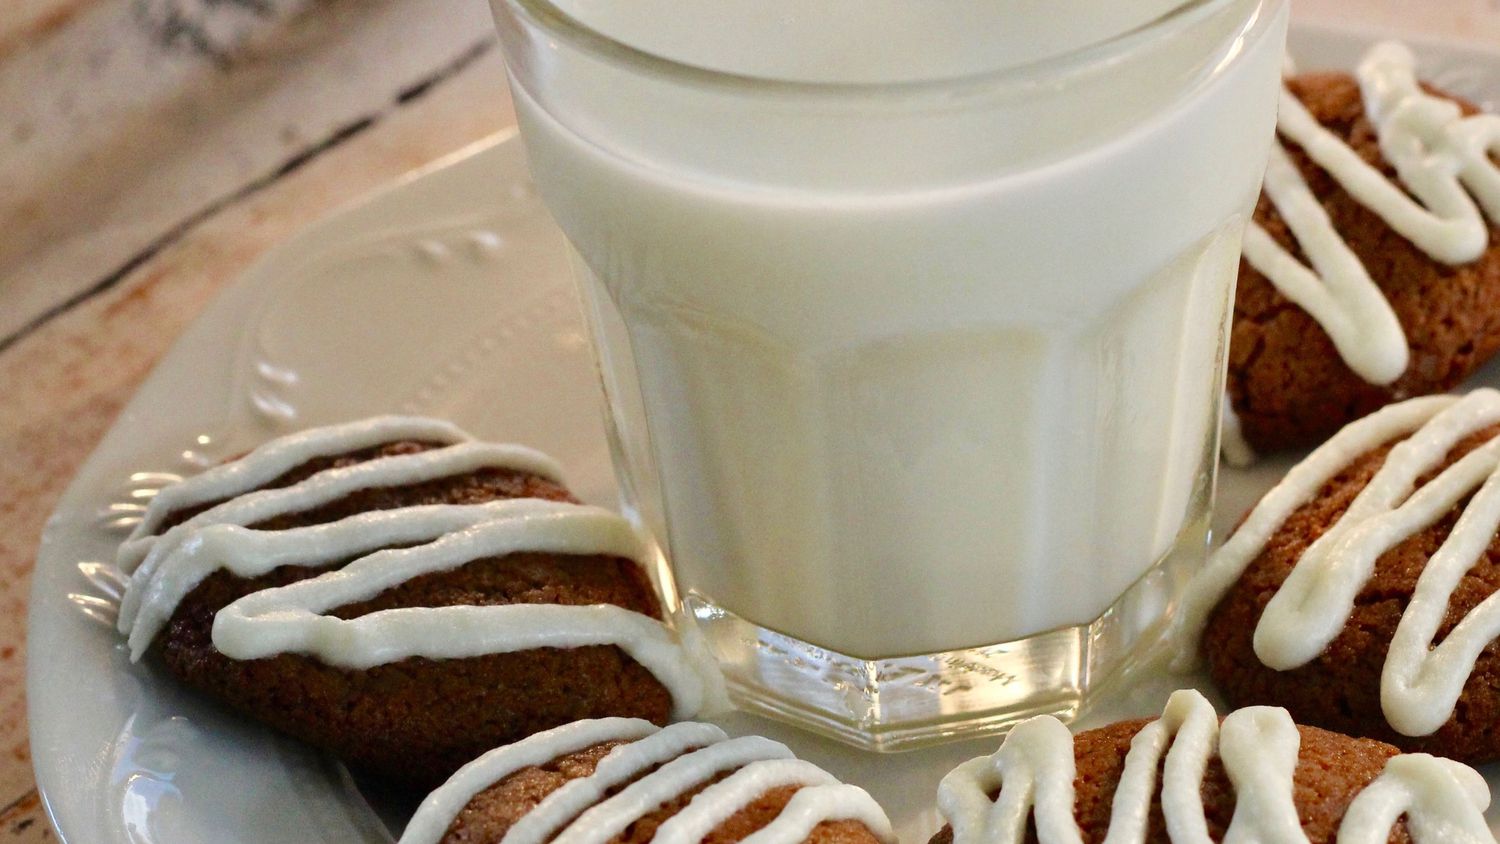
x=179 y=564
x=1033 y=772
x=290 y=619
x=442 y=806
x=609 y=818
x=623 y=764
x=250 y=507
x=1442 y=800
x=1036 y=764
x=1259 y=746
x=1437 y=153
x=273 y=459
x=684 y=756
x=717 y=803
x=1421 y=683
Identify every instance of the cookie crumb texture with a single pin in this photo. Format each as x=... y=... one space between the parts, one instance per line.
x=416 y=721
x=1287 y=382
x=1331 y=770
x=1340 y=690
x=491 y=813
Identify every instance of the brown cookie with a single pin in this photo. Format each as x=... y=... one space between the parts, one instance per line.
x=491 y=813
x=1340 y=689
x=1331 y=770
x=1287 y=382
x=415 y=721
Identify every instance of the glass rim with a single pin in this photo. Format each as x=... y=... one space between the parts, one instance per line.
x=549 y=17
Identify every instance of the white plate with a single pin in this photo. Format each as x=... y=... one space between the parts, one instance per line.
x=446 y=294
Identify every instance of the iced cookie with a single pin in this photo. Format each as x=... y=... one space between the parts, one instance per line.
x=1371 y=272
x=1190 y=777
x=1360 y=592
x=402 y=596
x=623 y=781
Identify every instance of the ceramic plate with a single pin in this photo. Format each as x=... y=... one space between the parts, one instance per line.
x=446 y=294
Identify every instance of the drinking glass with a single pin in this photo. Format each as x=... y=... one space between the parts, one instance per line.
x=911 y=321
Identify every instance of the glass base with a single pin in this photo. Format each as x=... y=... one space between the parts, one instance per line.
x=903 y=703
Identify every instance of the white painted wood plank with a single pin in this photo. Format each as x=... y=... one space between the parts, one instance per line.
x=112 y=133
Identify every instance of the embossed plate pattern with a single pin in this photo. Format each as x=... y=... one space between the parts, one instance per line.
x=448 y=294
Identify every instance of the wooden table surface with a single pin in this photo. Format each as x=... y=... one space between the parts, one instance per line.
x=150 y=150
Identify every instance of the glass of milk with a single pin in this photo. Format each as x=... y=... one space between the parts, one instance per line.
x=911 y=319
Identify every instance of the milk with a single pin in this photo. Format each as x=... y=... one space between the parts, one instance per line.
x=935 y=370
